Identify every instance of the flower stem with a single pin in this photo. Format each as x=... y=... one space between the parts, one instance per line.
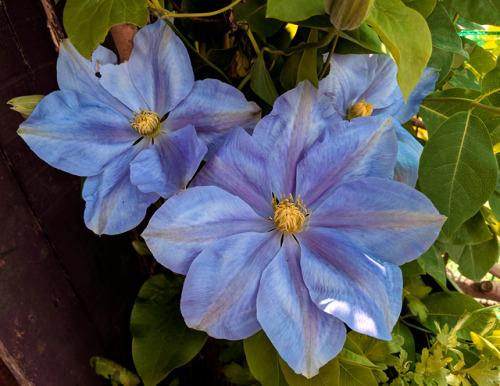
x=326 y=66
x=474 y=104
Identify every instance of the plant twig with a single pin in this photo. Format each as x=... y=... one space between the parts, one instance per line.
x=166 y=13
x=326 y=66
x=53 y=24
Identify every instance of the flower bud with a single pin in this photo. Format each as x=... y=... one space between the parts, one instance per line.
x=348 y=14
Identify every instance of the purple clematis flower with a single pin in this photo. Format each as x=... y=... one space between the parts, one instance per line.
x=364 y=85
x=296 y=230
x=137 y=130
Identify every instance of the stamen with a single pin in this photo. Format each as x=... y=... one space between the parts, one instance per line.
x=290 y=215
x=360 y=109
x=146 y=123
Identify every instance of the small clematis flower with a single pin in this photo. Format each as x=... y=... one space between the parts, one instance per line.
x=137 y=130
x=296 y=230
x=366 y=85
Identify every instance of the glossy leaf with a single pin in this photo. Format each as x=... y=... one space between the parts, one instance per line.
x=476 y=260
x=261 y=82
x=88 y=21
x=161 y=341
x=447 y=308
x=328 y=375
x=458 y=170
x=294 y=10
x=479 y=11
x=432 y=262
x=254 y=13
x=491 y=84
x=405 y=32
x=263 y=360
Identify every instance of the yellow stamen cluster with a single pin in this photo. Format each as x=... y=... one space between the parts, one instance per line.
x=360 y=109
x=290 y=215
x=146 y=123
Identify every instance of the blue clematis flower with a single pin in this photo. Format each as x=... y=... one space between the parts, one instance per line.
x=296 y=230
x=364 y=85
x=137 y=130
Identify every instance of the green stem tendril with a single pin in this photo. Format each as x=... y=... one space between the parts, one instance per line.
x=326 y=65
x=165 y=13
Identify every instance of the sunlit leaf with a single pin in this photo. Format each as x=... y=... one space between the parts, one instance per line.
x=115 y=373
x=294 y=10
x=491 y=84
x=405 y=33
x=88 y=21
x=328 y=375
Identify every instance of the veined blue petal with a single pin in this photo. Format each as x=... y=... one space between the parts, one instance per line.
x=116 y=80
x=346 y=281
x=404 y=112
x=167 y=166
x=409 y=151
x=385 y=217
x=305 y=337
x=190 y=221
x=160 y=68
x=113 y=204
x=220 y=291
x=298 y=118
x=239 y=168
x=366 y=146
x=214 y=108
x=77 y=134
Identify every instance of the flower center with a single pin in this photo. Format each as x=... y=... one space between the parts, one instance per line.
x=360 y=109
x=290 y=216
x=146 y=123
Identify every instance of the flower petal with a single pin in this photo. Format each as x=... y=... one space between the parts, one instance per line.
x=190 y=221
x=113 y=204
x=387 y=218
x=405 y=111
x=214 y=108
x=409 y=151
x=347 y=282
x=220 y=291
x=298 y=118
x=366 y=146
x=167 y=166
x=77 y=134
x=239 y=168
x=160 y=68
x=305 y=337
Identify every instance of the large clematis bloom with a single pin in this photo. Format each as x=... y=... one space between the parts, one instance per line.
x=137 y=130
x=296 y=230
x=364 y=85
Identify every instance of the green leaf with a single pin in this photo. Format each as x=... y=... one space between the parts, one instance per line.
x=441 y=60
x=480 y=321
x=409 y=342
x=405 y=33
x=301 y=65
x=447 y=308
x=479 y=11
x=161 y=341
x=25 y=104
x=347 y=356
x=141 y=248
x=476 y=260
x=294 y=10
x=352 y=375
x=88 y=21
x=425 y=7
x=473 y=231
x=263 y=360
x=261 y=82
x=432 y=262
x=363 y=36
x=491 y=84
x=328 y=375
x=465 y=78
x=444 y=35
x=481 y=60
x=412 y=268
x=458 y=170
x=254 y=13
x=238 y=375
x=112 y=371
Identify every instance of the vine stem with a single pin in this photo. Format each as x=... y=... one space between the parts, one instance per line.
x=326 y=66
x=477 y=105
x=191 y=15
